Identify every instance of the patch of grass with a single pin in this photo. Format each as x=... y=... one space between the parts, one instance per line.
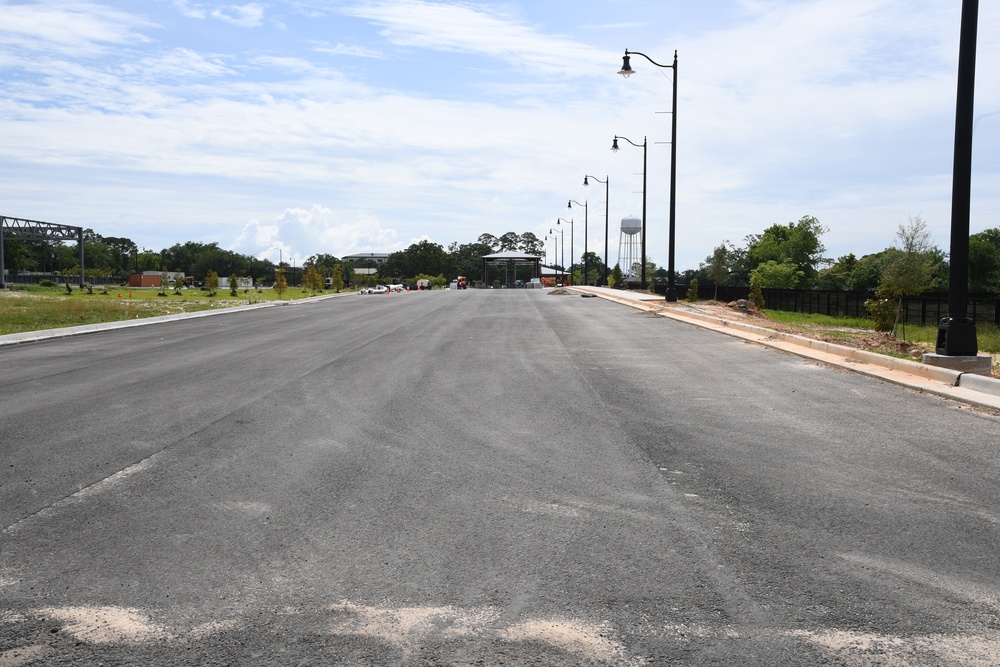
x=987 y=333
x=816 y=320
x=35 y=308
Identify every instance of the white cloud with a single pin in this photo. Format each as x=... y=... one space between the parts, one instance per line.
x=347 y=50
x=185 y=8
x=78 y=28
x=244 y=16
x=297 y=234
x=476 y=30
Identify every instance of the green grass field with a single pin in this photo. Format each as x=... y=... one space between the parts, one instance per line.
x=987 y=334
x=34 y=308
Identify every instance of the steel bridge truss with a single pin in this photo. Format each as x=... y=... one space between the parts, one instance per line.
x=18 y=229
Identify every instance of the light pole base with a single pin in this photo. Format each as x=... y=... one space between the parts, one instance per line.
x=957 y=337
x=670 y=295
x=977 y=365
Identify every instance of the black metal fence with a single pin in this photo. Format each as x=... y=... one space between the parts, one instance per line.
x=26 y=278
x=926 y=309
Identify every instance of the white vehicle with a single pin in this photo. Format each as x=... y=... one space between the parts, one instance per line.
x=378 y=289
x=396 y=287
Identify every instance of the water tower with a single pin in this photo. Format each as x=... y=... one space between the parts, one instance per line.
x=629 y=247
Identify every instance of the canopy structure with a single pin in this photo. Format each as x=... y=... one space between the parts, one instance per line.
x=35 y=230
x=507 y=262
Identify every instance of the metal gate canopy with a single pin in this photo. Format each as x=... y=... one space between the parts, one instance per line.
x=34 y=230
x=511 y=259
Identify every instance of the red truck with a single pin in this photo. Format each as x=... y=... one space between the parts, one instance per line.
x=462 y=283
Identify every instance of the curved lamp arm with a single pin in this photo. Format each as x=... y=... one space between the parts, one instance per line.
x=627 y=71
x=614 y=143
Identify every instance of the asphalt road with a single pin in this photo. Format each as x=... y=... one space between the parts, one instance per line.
x=483 y=478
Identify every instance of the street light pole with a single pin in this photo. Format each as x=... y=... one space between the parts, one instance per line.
x=643 y=146
x=607 y=192
x=957 y=332
x=572 y=246
x=627 y=71
x=586 y=265
x=562 y=240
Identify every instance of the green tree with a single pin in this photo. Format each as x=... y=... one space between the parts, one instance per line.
x=212 y=282
x=866 y=274
x=615 y=276
x=234 y=285
x=984 y=262
x=773 y=275
x=835 y=277
x=692 y=291
x=422 y=257
x=509 y=241
x=490 y=241
x=530 y=244
x=467 y=259
x=797 y=243
x=337 y=278
x=909 y=267
x=313 y=280
x=756 y=296
x=280 y=284
x=716 y=266
x=16 y=255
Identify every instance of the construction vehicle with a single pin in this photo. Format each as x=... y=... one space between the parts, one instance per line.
x=462 y=283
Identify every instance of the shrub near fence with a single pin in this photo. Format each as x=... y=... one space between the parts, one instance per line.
x=926 y=309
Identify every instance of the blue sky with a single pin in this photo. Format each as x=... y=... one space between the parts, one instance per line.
x=345 y=126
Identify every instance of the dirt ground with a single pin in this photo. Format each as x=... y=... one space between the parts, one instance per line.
x=864 y=339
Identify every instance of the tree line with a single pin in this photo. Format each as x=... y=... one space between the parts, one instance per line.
x=787 y=256
x=790 y=256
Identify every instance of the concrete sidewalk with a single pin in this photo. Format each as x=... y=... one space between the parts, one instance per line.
x=965 y=387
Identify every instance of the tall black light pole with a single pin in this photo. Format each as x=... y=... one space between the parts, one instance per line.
x=585 y=258
x=607 y=192
x=562 y=240
x=626 y=71
x=572 y=246
x=643 y=146
x=957 y=332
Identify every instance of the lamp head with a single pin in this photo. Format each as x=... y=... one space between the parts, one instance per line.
x=569 y=204
x=626 y=70
x=614 y=145
x=585 y=183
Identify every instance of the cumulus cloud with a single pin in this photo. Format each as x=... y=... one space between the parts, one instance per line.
x=298 y=233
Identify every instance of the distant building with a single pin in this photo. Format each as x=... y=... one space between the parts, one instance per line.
x=153 y=278
x=377 y=257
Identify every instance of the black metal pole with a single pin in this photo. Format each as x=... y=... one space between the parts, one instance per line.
x=957 y=332
x=607 y=198
x=643 y=284
x=671 y=294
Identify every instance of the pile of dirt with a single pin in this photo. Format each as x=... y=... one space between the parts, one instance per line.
x=862 y=339
x=561 y=291
x=878 y=341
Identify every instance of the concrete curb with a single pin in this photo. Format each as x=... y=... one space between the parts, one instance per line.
x=966 y=387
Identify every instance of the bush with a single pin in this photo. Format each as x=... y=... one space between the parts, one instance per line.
x=692 y=293
x=756 y=296
x=883 y=309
